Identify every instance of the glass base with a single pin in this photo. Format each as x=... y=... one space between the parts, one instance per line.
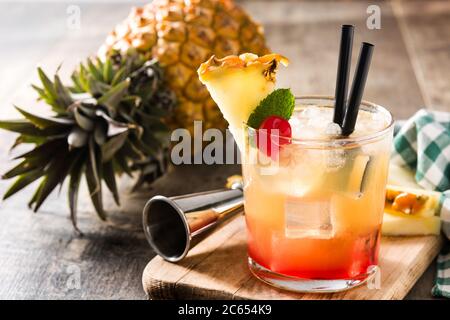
x=306 y=285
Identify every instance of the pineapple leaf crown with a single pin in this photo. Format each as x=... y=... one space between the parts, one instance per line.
x=109 y=121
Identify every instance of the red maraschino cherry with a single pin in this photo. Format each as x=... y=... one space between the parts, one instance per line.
x=273 y=132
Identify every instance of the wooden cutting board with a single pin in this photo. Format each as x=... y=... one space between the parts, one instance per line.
x=217 y=269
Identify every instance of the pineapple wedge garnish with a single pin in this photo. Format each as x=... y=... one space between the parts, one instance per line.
x=238 y=84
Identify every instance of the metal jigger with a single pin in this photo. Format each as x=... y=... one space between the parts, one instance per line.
x=174 y=225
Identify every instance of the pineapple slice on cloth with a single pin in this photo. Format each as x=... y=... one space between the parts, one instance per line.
x=406 y=225
x=238 y=84
x=182 y=34
x=409 y=209
x=412 y=201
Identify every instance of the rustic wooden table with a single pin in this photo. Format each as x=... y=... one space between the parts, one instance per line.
x=40 y=255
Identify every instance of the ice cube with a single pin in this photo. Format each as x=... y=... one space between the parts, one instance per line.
x=369 y=122
x=296 y=126
x=307 y=166
x=312 y=111
x=333 y=129
x=308 y=218
x=334 y=159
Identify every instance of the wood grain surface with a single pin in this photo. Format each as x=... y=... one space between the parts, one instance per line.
x=217 y=269
x=39 y=252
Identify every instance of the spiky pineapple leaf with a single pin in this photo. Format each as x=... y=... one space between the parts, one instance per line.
x=43 y=150
x=127 y=117
x=88 y=109
x=108 y=71
x=139 y=144
x=133 y=100
x=150 y=143
x=80 y=78
x=94 y=181
x=24 y=127
x=45 y=188
x=132 y=152
x=100 y=132
x=35 y=195
x=55 y=174
x=46 y=122
x=112 y=98
x=23 y=167
x=24 y=139
x=74 y=186
x=23 y=181
x=39 y=157
x=48 y=85
x=94 y=71
x=114 y=127
x=94 y=163
x=99 y=65
x=157 y=127
x=139 y=182
x=149 y=119
x=120 y=76
x=77 y=86
x=120 y=159
x=85 y=122
x=110 y=179
x=97 y=88
x=110 y=147
x=41 y=92
x=50 y=94
x=64 y=99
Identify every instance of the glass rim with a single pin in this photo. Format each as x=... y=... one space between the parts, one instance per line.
x=363 y=139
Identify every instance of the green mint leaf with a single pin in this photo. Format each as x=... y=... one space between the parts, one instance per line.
x=279 y=103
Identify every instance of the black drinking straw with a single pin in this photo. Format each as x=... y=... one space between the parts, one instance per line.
x=343 y=71
x=356 y=93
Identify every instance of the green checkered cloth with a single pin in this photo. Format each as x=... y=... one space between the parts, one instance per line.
x=422 y=143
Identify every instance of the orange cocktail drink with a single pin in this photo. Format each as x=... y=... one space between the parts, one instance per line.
x=314 y=207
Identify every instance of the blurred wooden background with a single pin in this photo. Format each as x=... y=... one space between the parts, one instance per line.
x=40 y=252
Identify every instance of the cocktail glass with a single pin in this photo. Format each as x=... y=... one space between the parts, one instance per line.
x=314 y=207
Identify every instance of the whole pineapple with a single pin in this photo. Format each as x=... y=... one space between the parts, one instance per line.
x=182 y=34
